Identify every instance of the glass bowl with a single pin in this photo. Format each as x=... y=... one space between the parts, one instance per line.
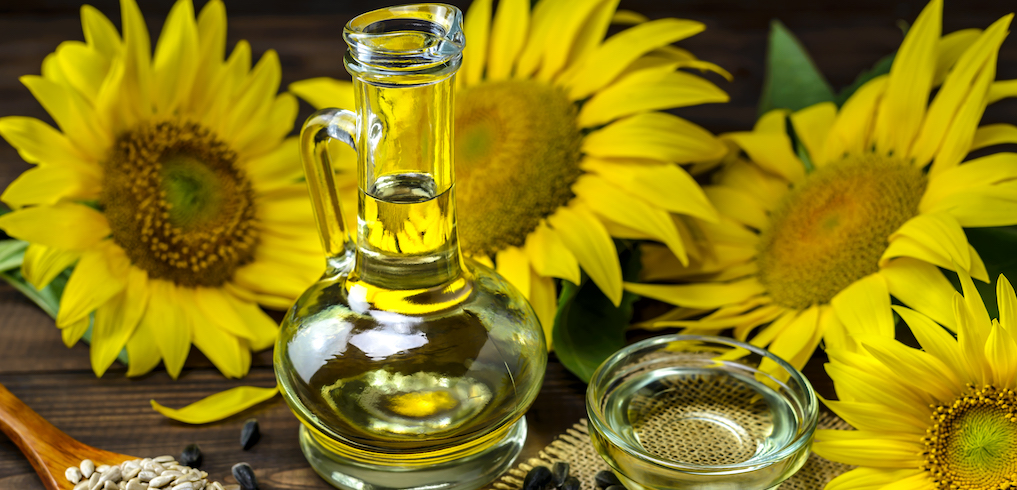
x=700 y=412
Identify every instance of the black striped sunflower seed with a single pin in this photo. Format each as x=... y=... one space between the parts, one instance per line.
x=250 y=435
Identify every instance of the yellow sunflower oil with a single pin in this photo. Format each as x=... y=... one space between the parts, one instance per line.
x=409 y=366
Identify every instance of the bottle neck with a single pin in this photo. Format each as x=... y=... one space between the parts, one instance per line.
x=406 y=220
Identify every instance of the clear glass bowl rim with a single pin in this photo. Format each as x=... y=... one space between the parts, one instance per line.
x=811 y=406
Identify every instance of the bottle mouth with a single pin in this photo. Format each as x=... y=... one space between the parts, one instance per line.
x=426 y=38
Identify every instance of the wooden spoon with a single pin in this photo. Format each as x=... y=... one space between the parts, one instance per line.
x=49 y=450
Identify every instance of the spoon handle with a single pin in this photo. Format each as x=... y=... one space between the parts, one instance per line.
x=45 y=446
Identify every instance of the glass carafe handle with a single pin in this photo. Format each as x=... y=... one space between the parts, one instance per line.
x=320 y=129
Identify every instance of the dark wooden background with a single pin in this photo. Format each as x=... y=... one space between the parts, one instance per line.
x=113 y=412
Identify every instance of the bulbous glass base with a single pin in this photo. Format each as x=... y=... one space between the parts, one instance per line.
x=411 y=388
x=467 y=472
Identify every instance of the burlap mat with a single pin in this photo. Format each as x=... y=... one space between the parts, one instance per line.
x=575 y=448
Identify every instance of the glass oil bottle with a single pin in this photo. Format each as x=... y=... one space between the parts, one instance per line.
x=408 y=365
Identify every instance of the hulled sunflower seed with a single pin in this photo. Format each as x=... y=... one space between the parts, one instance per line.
x=245 y=476
x=250 y=434
x=135 y=484
x=130 y=472
x=146 y=475
x=160 y=481
x=183 y=486
x=73 y=474
x=191 y=456
x=82 y=486
x=87 y=467
x=93 y=481
x=166 y=458
x=109 y=485
x=112 y=474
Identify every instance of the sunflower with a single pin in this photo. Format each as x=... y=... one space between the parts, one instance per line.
x=871 y=206
x=559 y=143
x=944 y=416
x=171 y=188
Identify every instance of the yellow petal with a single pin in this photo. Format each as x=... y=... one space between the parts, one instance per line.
x=864 y=307
x=325 y=92
x=100 y=274
x=211 y=51
x=49 y=184
x=961 y=134
x=648 y=90
x=617 y=205
x=974 y=175
x=796 y=343
x=877 y=417
x=566 y=28
x=921 y=286
x=216 y=308
x=257 y=321
x=628 y=17
x=617 y=52
x=851 y=130
x=921 y=370
x=544 y=299
x=278 y=168
x=137 y=63
x=176 y=58
x=508 y=32
x=64 y=225
x=83 y=67
x=515 y=266
x=907 y=92
x=666 y=185
x=38 y=142
x=934 y=339
x=72 y=333
x=218 y=406
x=940 y=233
x=768 y=189
x=972 y=334
x=812 y=125
x=284 y=283
x=875 y=452
x=955 y=91
x=1001 y=90
x=980 y=206
x=590 y=243
x=869 y=478
x=770 y=147
x=168 y=324
x=42 y=264
x=654 y=135
x=258 y=89
x=740 y=206
x=994 y=134
x=1005 y=299
x=476 y=28
x=592 y=32
x=223 y=348
x=999 y=352
x=950 y=48
x=116 y=321
x=550 y=257
x=75 y=116
x=259 y=139
x=706 y=295
x=142 y=352
x=99 y=31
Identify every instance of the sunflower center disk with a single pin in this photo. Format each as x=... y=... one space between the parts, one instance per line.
x=832 y=230
x=973 y=442
x=178 y=205
x=517 y=156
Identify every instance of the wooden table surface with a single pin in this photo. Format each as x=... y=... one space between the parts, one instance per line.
x=113 y=412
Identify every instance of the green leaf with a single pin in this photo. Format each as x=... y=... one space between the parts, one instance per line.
x=882 y=67
x=587 y=327
x=792 y=80
x=48 y=298
x=12 y=252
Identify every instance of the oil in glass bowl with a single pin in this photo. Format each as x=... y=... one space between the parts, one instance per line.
x=680 y=412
